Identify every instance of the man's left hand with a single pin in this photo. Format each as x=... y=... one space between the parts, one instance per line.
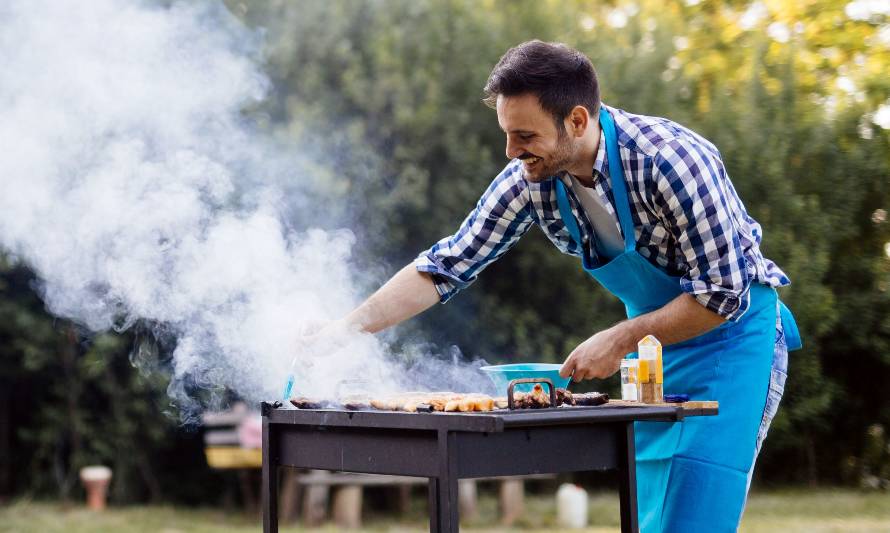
x=597 y=357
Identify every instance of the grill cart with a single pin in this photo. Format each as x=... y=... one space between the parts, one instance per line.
x=446 y=447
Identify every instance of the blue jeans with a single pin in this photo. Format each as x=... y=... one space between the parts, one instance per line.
x=778 y=375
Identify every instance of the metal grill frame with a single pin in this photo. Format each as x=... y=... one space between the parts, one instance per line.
x=445 y=447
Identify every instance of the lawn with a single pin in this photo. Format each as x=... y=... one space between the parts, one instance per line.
x=785 y=511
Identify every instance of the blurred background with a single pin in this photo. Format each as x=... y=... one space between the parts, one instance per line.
x=795 y=94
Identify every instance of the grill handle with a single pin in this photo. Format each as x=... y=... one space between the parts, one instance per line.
x=520 y=381
x=267 y=407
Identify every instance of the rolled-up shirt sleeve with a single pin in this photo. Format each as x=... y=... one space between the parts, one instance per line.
x=692 y=200
x=500 y=218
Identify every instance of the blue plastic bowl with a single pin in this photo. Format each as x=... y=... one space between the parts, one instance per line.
x=502 y=375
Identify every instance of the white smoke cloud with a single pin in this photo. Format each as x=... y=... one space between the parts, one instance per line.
x=136 y=189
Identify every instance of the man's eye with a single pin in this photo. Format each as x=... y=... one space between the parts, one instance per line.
x=526 y=136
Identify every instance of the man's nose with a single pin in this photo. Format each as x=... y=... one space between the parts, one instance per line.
x=514 y=150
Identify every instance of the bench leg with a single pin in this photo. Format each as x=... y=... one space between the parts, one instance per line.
x=466 y=495
x=404 y=501
x=290 y=496
x=247 y=480
x=315 y=503
x=511 y=500
x=347 y=507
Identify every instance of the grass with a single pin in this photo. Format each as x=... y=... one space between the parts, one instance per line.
x=819 y=511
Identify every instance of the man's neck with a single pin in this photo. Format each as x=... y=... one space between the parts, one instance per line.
x=582 y=170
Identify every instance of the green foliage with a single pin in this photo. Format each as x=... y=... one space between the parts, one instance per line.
x=69 y=402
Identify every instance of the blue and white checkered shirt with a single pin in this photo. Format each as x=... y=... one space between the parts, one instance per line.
x=688 y=219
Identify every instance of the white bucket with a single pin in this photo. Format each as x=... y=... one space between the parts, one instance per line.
x=571 y=506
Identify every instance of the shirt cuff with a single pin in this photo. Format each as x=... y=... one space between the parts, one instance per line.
x=447 y=285
x=728 y=304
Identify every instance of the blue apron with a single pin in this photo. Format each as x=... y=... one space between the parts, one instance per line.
x=691 y=476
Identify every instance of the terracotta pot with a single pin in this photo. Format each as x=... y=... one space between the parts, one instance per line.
x=95 y=480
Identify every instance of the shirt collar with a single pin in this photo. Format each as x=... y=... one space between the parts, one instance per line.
x=601 y=163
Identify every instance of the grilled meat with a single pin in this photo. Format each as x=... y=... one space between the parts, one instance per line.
x=356 y=405
x=591 y=398
x=434 y=401
x=306 y=403
x=453 y=402
x=564 y=397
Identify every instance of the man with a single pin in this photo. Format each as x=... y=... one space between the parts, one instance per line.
x=649 y=208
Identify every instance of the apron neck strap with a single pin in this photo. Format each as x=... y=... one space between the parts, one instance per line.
x=565 y=211
x=616 y=177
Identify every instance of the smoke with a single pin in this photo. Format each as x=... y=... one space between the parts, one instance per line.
x=139 y=191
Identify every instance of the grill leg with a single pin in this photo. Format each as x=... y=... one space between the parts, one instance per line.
x=627 y=476
x=444 y=517
x=433 y=497
x=270 y=483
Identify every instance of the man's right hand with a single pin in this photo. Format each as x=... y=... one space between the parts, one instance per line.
x=408 y=293
x=322 y=337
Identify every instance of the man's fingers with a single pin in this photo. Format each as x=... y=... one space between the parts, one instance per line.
x=567 y=367
x=580 y=366
x=582 y=373
x=312 y=327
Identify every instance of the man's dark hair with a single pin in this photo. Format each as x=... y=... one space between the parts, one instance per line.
x=561 y=77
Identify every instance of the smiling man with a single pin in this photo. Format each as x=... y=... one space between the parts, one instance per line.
x=649 y=208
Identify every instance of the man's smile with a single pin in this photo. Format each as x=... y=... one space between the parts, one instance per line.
x=530 y=161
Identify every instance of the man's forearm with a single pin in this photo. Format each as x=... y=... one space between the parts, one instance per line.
x=406 y=294
x=681 y=319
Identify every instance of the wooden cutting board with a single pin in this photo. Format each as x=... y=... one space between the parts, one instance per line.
x=693 y=405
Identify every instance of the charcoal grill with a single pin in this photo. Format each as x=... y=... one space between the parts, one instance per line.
x=445 y=447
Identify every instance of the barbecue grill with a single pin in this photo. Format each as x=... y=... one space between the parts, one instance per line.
x=445 y=447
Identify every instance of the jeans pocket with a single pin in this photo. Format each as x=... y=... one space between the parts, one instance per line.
x=778 y=375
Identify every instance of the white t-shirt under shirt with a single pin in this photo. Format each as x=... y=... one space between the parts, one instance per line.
x=605 y=225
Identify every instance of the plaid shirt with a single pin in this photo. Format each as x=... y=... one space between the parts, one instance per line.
x=688 y=219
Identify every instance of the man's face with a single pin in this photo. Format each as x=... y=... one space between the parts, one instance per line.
x=532 y=137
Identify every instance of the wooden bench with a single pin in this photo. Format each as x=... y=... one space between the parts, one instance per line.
x=347 y=499
x=223 y=450
x=346 y=507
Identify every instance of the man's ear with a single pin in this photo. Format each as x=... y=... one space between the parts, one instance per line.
x=578 y=121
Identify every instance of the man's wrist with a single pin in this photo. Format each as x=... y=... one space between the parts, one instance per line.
x=625 y=337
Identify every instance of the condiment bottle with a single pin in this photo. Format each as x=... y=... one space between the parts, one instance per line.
x=651 y=370
x=630 y=380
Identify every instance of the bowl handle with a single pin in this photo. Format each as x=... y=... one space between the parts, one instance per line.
x=530 y=380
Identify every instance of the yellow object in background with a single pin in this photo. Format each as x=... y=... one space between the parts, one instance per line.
x=233 y=457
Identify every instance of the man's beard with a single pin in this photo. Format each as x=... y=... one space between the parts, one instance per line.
x=558 y=162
